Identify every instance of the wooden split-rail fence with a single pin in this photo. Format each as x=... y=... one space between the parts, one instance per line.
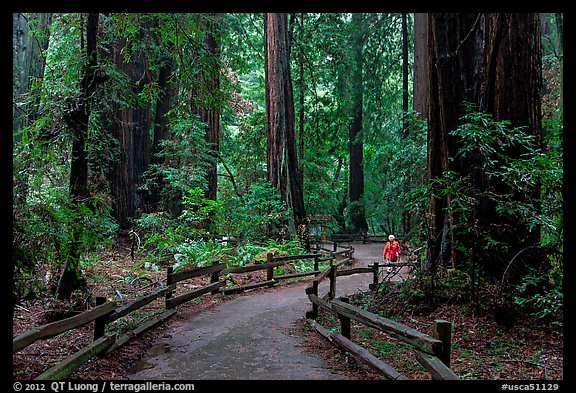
x=433 y=353
x=106 y=312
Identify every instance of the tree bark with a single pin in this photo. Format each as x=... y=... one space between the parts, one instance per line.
x=421 y=79
x=356 y=145
x=161 y=130
x=406 y=216
x=281 y=160
x=511 y=90
x=454 y=42
x=131 y=128
x=497 y=58
x=207 y=106
x=301 y=92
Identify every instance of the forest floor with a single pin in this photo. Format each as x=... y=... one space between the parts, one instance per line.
x=531 y=349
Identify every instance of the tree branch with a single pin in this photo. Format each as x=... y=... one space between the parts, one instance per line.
x=231 y=177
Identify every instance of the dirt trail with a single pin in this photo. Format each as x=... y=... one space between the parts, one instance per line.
x=248 y=337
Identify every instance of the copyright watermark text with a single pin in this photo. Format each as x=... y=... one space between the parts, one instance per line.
x=530 y=386
x=99 y=387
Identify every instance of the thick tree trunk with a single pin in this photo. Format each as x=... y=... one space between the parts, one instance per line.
x=454 y=49
x=281 y=154
x=141 y=117
x=356 y=145
x=421 y=79
x=166 y=98
x=207 y=107
x=131 y=128
x=511 y=91
x=122 y=182
x=168 y=87
x=497 y=58
x=301 y=92
x=406 y=216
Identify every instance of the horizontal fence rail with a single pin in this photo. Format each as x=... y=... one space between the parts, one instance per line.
x=55 y=328
x=404 y=333
x=105 y=312
x=432 y=353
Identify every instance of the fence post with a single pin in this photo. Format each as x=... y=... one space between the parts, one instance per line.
x=169 y=281
x=313 y=314
x=316 y=263
x=270 y=270
x=375 y=269
x=332 y=276
x=214 y=278
x=100 y=322
x=345 y=326
x=443 y=331
x=335 y=247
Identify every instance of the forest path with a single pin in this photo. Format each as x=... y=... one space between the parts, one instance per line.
x=249 y=337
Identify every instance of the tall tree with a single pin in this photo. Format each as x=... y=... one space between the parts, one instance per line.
x=421 y=80
x=31 y=34
x=301 y=92
x=78 y=120
x=166 y=98
x=356 y=174
x=453 y=49
x=406 y=221
x=282 y=153
x=560 y=29
x=497 y=58
x=511 y=91
x=206 y=102
x=131 y=129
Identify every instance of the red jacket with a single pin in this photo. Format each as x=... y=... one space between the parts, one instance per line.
x=392 y=251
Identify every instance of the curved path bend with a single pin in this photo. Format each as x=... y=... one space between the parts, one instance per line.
x=249 y=337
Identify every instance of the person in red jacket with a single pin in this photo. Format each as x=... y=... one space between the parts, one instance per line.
x=392 y=251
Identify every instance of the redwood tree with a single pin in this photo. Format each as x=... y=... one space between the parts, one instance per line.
x=131 y=128
x=420 y=72
x=452 y=50
x=406 y=216
x=166 y=98
x=356 y=179
x=206 y=102
x=31 y=34
x=497 y=60
x=281 y=160
x=511 y=90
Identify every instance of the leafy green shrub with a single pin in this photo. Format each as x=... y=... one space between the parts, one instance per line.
x=485 y=144
x=184 y=159
x=192 y=239
x=187 y=240
x=201 y=216
x=253 y=217
x=536 y=294
x=198 y=253
x=43 y=237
